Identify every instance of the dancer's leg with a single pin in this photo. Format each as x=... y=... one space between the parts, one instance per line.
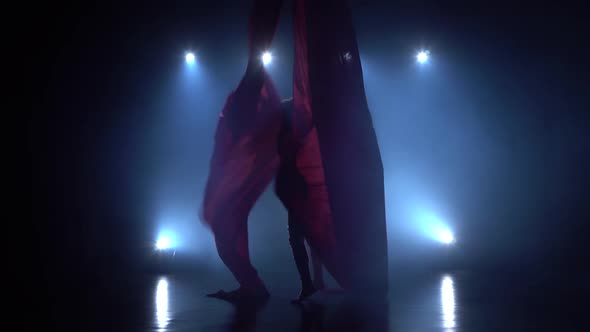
x=232 y=245
x=318 y=273
x=317 y=216
x=297 y=241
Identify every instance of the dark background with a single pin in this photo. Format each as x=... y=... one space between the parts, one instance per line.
x=494 y=131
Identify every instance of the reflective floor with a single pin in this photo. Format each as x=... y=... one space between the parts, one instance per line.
x=453 y=301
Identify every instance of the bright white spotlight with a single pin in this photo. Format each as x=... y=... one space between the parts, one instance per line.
x=163 y=243
x=422 y=57
x=435 y=227
x=266 y=58
x=446 y=237
x=189 y=58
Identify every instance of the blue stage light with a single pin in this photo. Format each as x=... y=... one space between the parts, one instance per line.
x=163 y=243
x=446 y=236
x=435 y=227
x=189 y=58
x=422 y=57
x=266 y=58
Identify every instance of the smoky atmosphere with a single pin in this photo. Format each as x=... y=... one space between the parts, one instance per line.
x=481 y=121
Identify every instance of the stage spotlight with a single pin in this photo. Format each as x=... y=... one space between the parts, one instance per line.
x=266 y=58
x=163 y=243
x=435 y=227
x=446 y=237
x=422 y=57
x=189 y=58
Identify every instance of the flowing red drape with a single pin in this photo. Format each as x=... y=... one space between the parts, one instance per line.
x=344 y=213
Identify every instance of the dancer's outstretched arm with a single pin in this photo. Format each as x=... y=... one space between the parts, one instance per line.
x=264 y=18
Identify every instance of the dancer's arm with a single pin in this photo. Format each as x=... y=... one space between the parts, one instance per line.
x=264 y=19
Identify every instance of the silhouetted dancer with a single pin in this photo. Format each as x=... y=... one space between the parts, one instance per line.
x=244 y=162
x=291 y=188
x=339 y=158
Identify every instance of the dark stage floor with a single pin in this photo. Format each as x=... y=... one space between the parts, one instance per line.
x=453 y=301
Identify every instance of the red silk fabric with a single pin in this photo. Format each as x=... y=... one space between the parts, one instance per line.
x=343 y=210
x=242 y=165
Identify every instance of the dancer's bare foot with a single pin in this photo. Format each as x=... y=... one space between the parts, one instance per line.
x=304 y=294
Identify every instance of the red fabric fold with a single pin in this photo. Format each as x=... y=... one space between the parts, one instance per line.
x=343 y=210
x=242 y=164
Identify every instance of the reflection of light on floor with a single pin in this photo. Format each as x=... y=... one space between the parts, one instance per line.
x=162 y=303
x=447 y=298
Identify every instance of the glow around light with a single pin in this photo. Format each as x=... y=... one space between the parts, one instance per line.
x=189 y=58
x=447 y=302
x=162 y=313
x=166 y=239
x=163 y=243
x=446 y=236
x=266 y=58
x=435 y=227
x=422 y=57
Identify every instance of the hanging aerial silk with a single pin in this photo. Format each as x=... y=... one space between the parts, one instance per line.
x=338 y=156
x=244 y=162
